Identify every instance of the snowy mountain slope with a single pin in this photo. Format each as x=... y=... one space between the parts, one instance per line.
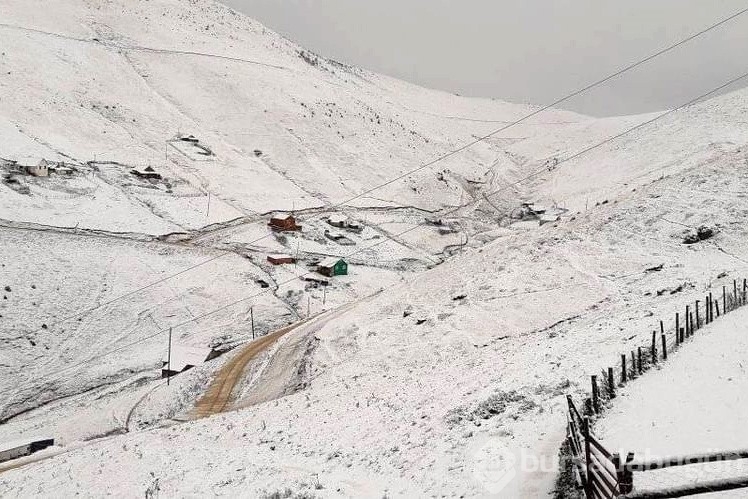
x=400 y=391
x=127 y=77
x=505 y=331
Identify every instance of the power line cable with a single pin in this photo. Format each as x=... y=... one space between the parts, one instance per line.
x=438 y=159
x=421 y=224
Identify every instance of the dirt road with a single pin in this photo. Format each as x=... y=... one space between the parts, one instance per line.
x=218 y=395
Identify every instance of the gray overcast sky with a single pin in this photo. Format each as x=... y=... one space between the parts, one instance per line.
x=525 y=50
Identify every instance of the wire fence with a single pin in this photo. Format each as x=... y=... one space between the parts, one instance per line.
x=605 y=475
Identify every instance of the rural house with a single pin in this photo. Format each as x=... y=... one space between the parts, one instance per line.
x=282 y=222
x=281 y=259
x=184 y=358
x=337 y=220
x=40 y=169
x=332 y=266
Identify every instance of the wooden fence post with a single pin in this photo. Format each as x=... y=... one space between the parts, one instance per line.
x=724 y=300
x=688 y=313
x=639 y=352
x=595 y=395
x=654 y=347
x=624 y=476
x=587 y=457
x=611 y=384
x=698 y=321
x=745 y=290
x=624 y=374
x=664 y=347
x=711 y=307
x=735 y=294
x=691 y=319
x=716 y=307
x=677 y=328
x=633 y=365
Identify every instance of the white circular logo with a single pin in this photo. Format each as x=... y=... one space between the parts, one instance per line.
x=494 y=466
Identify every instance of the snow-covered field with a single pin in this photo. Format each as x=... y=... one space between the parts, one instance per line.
x=695 y=404
x=445 y=338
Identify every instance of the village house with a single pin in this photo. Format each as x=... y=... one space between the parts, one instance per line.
x=40 y=169
x=337 y=220
x=282 y=222
x=281 y=259
x=332 y=266
x=184 y=358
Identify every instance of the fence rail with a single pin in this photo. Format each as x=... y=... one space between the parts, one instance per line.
x=604 y=475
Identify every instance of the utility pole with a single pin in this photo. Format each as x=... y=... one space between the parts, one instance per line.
x=252 y=318
x=168 y=361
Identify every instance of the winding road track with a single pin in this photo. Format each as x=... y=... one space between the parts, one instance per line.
x=219 y=394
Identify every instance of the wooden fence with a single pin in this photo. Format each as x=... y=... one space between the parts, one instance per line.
x=605 y=475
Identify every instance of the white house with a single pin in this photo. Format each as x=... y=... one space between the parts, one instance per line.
x=40 y=169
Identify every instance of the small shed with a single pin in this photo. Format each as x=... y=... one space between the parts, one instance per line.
x=147 y=173
x=332 y=266
x=281 y=259
x=338 y=220
x=184 y=358
x=61 y=169
x=281 y=222
x=40 y=169
x=25 y=447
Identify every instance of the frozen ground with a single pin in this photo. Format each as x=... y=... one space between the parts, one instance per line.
x=463 y=343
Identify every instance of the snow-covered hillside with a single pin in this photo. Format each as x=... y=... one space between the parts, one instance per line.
x=430 y=349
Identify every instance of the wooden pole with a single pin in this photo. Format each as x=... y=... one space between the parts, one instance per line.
x=690 y=318
x=735 y=294
x=595 y=395
x=168 y=361
x=745 y=290
x=624 y=374
x=698 y=321
x=587 y=457
x=654 y=347
x=664 y=347
x=716 y=306
x=639 y=352
x=677 y=328
x=724 y=299
x=252 y=318
x=633 y=365
x=688 y=313
x=611 y=384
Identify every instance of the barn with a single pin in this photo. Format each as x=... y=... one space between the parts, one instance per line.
x=281 y=259
x=332 y=266
x=281 y=222
x=21 y=448
x=184 y=358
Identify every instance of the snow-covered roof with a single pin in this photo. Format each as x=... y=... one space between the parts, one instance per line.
x=282 y=216
x=337 y=218
x=280 y=256
x=329 y=262
x=183 y=356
